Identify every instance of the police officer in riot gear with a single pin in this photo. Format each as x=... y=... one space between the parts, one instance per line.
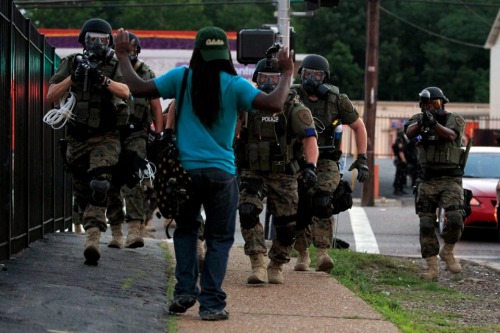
x=269 y=169
x=93 y=140
x=329 y=108
x=440 y=180
x=399 y=151
x=134 y=135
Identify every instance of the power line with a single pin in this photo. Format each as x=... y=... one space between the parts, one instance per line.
x=456 y=41
x=65 y=4
x=443 y=2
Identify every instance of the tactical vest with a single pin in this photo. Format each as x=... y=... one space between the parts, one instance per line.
x=435 y=153
x=268 y=139
x=140 y=108
x=325 y=112
x=97 y=108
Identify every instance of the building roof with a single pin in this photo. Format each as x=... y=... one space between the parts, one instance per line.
x=494 y=32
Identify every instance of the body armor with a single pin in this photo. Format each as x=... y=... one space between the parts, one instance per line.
x=97 y=108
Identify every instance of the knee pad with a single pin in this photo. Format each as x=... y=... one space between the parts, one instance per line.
x=286 y=234
x=249 y=215
x=427 y=227
x=454 y=219
x=100 y=188
x=322 y=206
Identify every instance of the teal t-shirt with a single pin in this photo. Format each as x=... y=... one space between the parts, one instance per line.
x=200 y=147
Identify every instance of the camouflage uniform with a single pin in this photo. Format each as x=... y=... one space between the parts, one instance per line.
x=336 y=107
x=440 y=185
x=269 y=170
x=93 y=140
x=134 y=138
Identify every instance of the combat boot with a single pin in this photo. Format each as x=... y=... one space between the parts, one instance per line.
x=275 y=272
x=150 y=226
x=134 y=238
x=144 y=232
x=303 y=261
x=432 y=269
x=323 y=261
x=259 y=272
x=201 y=253
x=79 y=229
x=91 y=252
x=446 y=254
x=117 y=236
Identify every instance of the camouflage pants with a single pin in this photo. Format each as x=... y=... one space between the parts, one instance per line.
x=88 y=159
x=446 y=192
x=321 y=230
x=134 y=197
x=282 y=199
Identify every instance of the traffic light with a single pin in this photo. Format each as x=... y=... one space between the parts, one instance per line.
x=315 y=4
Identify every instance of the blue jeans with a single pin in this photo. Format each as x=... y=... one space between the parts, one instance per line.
x=218 y=192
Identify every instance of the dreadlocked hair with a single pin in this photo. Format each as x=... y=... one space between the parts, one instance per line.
x=206 y=89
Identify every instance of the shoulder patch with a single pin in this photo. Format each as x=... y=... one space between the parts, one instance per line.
x=460 y=121
x=305 y=116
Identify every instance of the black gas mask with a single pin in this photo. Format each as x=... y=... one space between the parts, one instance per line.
x=311 y=80
x=267 y=81
x=96 y=45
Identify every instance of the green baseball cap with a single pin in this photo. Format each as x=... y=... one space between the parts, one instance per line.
x=212 y=43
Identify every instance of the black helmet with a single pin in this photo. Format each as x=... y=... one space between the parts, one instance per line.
x=96 y=25
x=436 y=93
x=317 y=62
x=261 y=67
x=131 y=36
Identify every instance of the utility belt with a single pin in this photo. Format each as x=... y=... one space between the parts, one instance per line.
x=329 y=153
x=429 y=173
x=130 y=128
x=82 y=132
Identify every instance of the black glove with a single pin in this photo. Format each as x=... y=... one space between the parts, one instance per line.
x=430 y=120
x=308 y=175
x=97 y=75
x=362 y=166
x=155 y=146
x=79 y=73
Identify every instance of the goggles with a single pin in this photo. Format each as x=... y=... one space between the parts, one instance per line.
x=317 y=74
x=91 y=37
x=435 y=104
x=262 y=77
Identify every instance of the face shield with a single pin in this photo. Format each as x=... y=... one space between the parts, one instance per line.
x=267 y=81
x=97 y=43
x=311 y=79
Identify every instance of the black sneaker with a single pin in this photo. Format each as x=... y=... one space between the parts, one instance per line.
x=214 y=315
x=180 y=304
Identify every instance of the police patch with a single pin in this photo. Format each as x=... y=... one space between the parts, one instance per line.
x=460 y=121
x=305 y=116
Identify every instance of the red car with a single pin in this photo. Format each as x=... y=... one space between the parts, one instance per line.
x=481 y=176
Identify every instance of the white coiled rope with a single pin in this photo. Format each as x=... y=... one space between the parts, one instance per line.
x=57 y=118
x=148 y=172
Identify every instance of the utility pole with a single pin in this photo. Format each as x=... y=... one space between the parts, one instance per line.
x=284 y=22
x=371 y=95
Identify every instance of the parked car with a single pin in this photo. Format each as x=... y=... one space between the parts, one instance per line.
x=481 y=176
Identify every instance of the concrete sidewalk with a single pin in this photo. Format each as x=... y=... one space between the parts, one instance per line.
x=308 y=301
x=47 y=288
